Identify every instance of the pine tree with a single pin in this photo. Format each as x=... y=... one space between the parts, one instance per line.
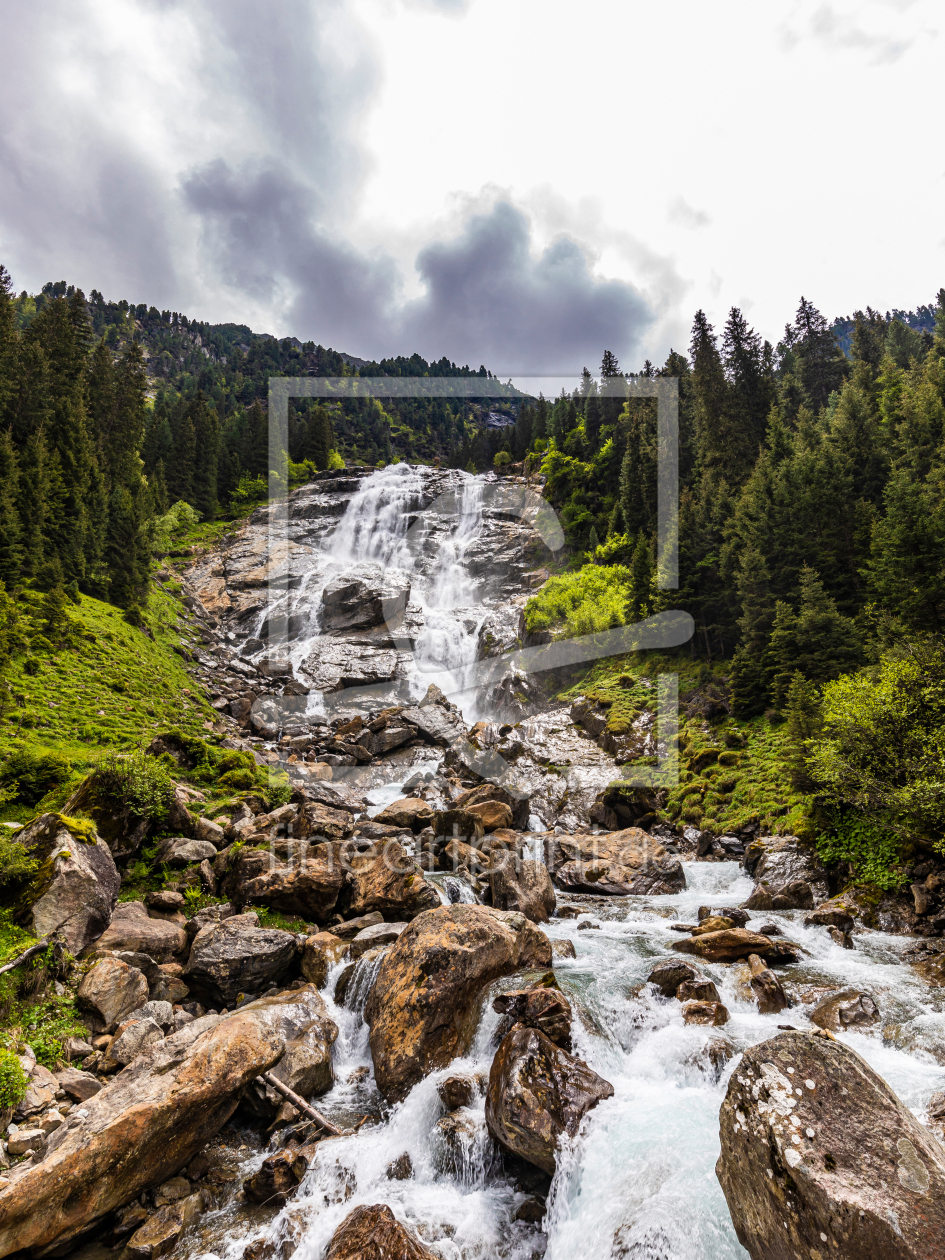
x=11 y=552
x=816 y=640
x=640 y=602
x=822 y=362
x=206 y=428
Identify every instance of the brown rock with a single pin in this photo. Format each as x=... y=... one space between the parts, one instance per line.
x=237 y=956
x=301 y=1017
x=760 y=900
x=322 y=821
x=797 y=895
x=458 y=824
x=400 y=1169
x=830 y=914
x=766 y=987
x=537 y=1092
x=387 y=880
x=409 y=812
x=726 y=946
x=456 y=854
x=278 y=1176
x=348 y=930
x=563 y=949
x=714 y=923
x=627 y=863
x=374 y=1233
x=165 y=901
x=111 y=989
x=77 y=1085
x=424 y=1005
x=669 y=974
x=713 y=1014
x=457 y=1091
x=546 y=1009
x=819 y=1158
x=132 y=928
x=522 y=885
x=697 y=990
x=494 y=814
x=308 y=888
x=161 y=1233
x=141 y=1130
x=849 y=1009
x=319 y=954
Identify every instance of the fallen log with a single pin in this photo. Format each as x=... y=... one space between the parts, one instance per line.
x=300 y=1104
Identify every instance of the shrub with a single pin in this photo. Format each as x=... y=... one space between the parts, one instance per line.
x=593 y=599
x=35 y=772
x=141 y=782
x=239 y=780
x=13 y=1080
x=178 y=520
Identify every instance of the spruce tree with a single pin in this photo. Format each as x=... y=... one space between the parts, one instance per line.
x=816 y=640
x=640 y=602
x=11 y=551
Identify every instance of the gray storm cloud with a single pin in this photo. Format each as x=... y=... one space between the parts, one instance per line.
x=206 y=155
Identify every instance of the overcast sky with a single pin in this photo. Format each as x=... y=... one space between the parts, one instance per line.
x=519 y=183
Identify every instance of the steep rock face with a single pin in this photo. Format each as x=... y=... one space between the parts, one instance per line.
x=75 y=888
x=368 y=595
x=820 y=1158
x=537 y=1092
x=627 y=863
x=424 y=1005
x=138 y=1132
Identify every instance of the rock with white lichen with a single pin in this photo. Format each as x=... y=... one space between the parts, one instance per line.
x=821 y=1159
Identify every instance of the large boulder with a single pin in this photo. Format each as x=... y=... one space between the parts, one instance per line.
x=627 y=863
x=140 y=1131
x=777 y=861
x=374 y=1233
x=423 y=1008
x=132 y=928
x=820 y=1158
x=386 y=879
x=729 y=945
x=75 y=887
x=437 y=723
x=318 y=821
x=848 y=1009
x=301 y=1018
x=522 y=885
x=308 y=888
x=110 y=990
x=409 y=812
x=537 y=1092
x=366 y=597
x=237 y=956
x=334 y=664
x=543 y=1007
x=179 y=852
x=493 y=792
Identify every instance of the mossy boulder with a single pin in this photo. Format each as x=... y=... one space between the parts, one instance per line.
x=75 y=885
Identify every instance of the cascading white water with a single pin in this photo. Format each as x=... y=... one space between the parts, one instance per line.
x=639 y=1180
x=383 y=525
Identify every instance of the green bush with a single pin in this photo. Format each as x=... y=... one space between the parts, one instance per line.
x=15 y=862
x=141 y=782
x=13 y=1080
x=593 y=599
x=874 y=852
x=178 y=520
x=36 y=772
x=240 y=780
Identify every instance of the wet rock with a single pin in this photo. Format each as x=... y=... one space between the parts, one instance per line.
x=522 y=885
x=278 y=1176
x=423 y=1007
x=436 y=723
x=714 y=923
x=493 y=814
x=333 y=665
x=374 y=1233
x=132 y=928
x=387 y=880
x=538 y=1092
x=669 y=974
x=798 y=895
x=320 y=953
x=163 y=1231
x=849 y=1009
x=532 y=1211
x=841 y=938
x=172 y=1191
x=300 y=1017
x=697 y=990
x=110 y=990
x=624 y=863
x=563 y=949
x=308 y=888
x=400 y=1169
x=779 y=860
x=713 y=1014
x=368 y=596
x=409 y=812
x=727 y=945
x=766 y=987
x=831 y=914
x=760 y=901
x=457 y=1091
x=141 y=1130
x=237 y=956
x=375 y=935
x=76 y=885
x=820 y=1158
x=936 y=1113
x=349 y=929
x=457 y=823
x=737 y=916
x=546 y=1009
